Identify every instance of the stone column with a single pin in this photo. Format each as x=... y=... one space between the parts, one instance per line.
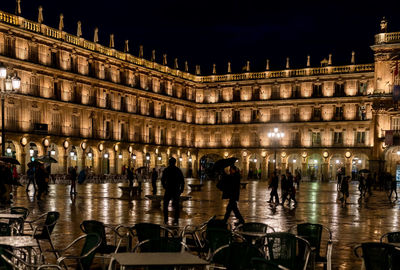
x=83 y=159
x=264 y=168
x=303 y=167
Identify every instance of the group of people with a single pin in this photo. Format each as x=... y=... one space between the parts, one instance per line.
x=288 y=189
x=38 y=176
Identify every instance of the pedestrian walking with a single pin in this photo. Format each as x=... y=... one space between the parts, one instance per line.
x=291 y=189
x=129 y=174
x=139 y=178
x=344 y=189
x=31 y=177
x=173 y=182
x=154 y=177
x=361 y=185
x=393 y=188
x=368 y=184
x=72 y=175
x=274 y=183
x=82 y=176
x=284 y=188
x=232 y=192
x=41 y=176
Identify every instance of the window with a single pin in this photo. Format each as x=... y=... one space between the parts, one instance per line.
x=275 y=94
x=316 y=138
x=317 y=90
x=236 y=116
x=34 y=87
x=362 y=88
x=339 y=90
x=395 y=125
x=275 y=115
x=217 y=138
x=36 y=117
x=108 y=130
x=338 y=113
x=360 y=137
x=317 y=113
x=75 y=125
x=255 y=115
x=11 y=118
x=56 y=123
x=295 y=139
x=337 y=137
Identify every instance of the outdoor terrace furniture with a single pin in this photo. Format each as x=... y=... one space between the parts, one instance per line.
x=236 y=255
x=216 y=238
x=99 y=228
x=378 y=255
x=157 y=260
x=391 y=237
x=43 y=227
x=163 y=244
x=85 y=258
x=288 y=250
x=193 y=236
x=11 y=261
x=313 y=234
x=254 y=232
x=21 y=211
x=145 y=231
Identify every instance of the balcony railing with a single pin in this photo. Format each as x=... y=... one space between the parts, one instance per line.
x=387 y=38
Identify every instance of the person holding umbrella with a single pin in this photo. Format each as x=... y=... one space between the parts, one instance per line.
x=231 y=191
x=173 y=182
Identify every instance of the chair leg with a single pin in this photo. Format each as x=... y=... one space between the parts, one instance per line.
x=53 y=249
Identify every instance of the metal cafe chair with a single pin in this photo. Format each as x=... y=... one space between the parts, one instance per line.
x=313 y=233
x=378 y=255
x=391 y=237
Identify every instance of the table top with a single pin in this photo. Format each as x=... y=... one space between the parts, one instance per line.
x=10 y=216
x=158 y=258
x=195 y=185
x=252 y=234
x=18 y=241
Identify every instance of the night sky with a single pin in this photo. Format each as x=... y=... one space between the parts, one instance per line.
x=207 y=32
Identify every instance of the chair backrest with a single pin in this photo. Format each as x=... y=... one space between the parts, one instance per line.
x=236 y=255
x=379 y=256
x=263 y=264
x=160 y=245
x=392 y=237
x=146 y=231
x=5 y=229
x=92 y=242
x=20 y=210
x=217 y=237
x=282 y=249
x=312 y=233
x=95 y=227
x=49 y=224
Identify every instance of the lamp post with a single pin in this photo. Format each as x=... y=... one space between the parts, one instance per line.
x=275 y=136
x=8 y=86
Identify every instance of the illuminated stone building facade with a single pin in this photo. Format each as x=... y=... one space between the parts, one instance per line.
x=91 y=105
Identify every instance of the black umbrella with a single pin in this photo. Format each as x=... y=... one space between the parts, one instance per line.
x=47 y=159
x=34 y=163
x=10 y=160
x=364 y=171
x=223 y=163
x=141 y=168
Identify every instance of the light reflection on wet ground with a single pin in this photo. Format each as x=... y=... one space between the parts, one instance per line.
x=358 y=222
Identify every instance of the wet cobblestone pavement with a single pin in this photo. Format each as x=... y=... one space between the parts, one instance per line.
x=360 y=221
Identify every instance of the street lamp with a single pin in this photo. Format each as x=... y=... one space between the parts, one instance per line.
x=8 y=86
x=275 y=136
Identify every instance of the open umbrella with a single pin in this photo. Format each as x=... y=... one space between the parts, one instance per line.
x=364 y=171
x=223 y=163
x=10 y=160
x=47 y=159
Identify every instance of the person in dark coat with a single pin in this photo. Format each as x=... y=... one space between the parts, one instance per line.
x=129 y=175
x=41 y=176
x=154 y=177
x=173 y=182
x=274 y=188
x=72 y=175
x=232 y=192
x=393 y=187
x=31 y=177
